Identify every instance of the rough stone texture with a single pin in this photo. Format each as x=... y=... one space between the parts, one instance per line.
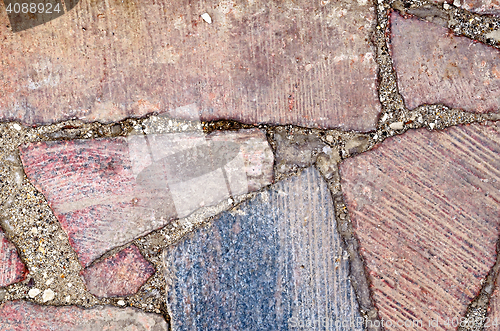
x=118 y=275
x=275 y=263
x=424 y=206
x=12 y=269
x=107 y=192
x=493 y=318
x=434 y=66
x=20 y=316
x=303 y=62
x=476 y=6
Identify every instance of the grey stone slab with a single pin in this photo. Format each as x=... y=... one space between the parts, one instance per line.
x=275 y=263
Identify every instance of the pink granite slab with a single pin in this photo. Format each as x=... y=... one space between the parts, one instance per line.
x=118 y=275
x=434 y=66
x=425 y=208
x=12 y=269
x=303 y=62
x=107 y=192
x=24 y=316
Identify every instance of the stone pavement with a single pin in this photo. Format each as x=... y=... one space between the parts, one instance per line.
x=227 y=165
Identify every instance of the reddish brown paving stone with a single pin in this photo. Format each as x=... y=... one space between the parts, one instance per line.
x=107 y=192
x=303 y=62
x=425 y=208
x=21 y=316
x=12 y=269
x=434 y=66
x=118 y=275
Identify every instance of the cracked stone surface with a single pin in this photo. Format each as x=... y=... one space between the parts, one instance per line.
x=12 y=269
x=21 y=315
x=257 y=62
x=274 y=263
x=424 y=206
x=118 y=275
x=108 y=192
x=434 y=66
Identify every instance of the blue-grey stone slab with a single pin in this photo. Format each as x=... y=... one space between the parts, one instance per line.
x=275 y=263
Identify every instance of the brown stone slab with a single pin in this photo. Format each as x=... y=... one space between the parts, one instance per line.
x=12 y=269
x=107 y=192
x=303 y=62
x=434 y=66
x=24 y=316
x=118 y=275
x=425 y=208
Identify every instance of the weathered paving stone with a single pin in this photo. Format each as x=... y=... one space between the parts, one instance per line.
x=20 y=316
x=424 y=206
x=434 y=66
x=118 y=275
x=275 y=263
x=303 y=62
x=107 y=192
x=12 y=269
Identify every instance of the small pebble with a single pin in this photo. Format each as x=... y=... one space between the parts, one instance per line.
x=207 y=18
x=121 y=302
x=50 y=281
x=396 y=125
x=48 y=295
x=16 y=126
x=33 y=292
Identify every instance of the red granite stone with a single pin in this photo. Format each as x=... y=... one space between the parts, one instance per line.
x=303 y=62
x=434 y=66
x=424 y=206
x=118 y=275
x=107 y=192
x=24 y=316
x=12 y=269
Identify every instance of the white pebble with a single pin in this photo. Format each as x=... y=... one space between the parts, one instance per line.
x=48 y=295
x=16 y=126
x=396 y=125
x=206 y=18
x=33 y=292
x=68 y=298
x=121 y=302
x=50 y=281
x=69 y=284
x=446 y=6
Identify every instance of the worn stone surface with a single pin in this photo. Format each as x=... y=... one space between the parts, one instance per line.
x=304 y=62
x=493 y=318
x=275 y=263
x=118 y=275
x=434 y=66
x=20 y=315
x=12 y=269
x=424 y=206
x=106 y=192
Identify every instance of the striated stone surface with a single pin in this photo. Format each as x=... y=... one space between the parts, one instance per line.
x=434 y=66
x=12 y=269
x=20 y=316
x=424 y=206
x=107 y=192
x=275 y=263
x=303 y=62
x=118 y=275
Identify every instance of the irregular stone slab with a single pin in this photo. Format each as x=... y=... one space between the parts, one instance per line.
x=303 y=62
x=20 y=315
x=12 y=269
x=424 y=206
x=119 y=275
x=434 y=66
x=107 y=192
x=276 y=263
